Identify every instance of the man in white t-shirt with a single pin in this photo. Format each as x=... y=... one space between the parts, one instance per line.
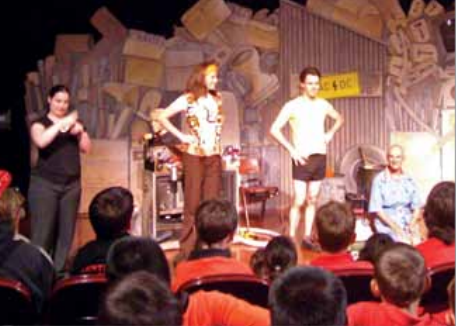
x=306 y=115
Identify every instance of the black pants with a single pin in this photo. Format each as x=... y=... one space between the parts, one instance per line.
x=53 y=210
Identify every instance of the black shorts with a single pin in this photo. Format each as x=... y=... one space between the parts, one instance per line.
x=313 y=170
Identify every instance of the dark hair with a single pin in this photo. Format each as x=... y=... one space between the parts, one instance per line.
x=309 y=71
x=58 y=89
x=439 y=212
x=400 y=272
x=140 y=298
x=376 y=243
x=279 y=255
x=215 y=219
x=196 y=85
x=130 y=254
x=335 y=225
x=258 y=263
x=307 y=295
x=110 y=212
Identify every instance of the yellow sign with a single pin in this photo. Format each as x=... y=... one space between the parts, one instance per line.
x=341 y=85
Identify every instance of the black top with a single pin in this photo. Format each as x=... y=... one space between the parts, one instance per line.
x=94 y=252
x=24 y=262
x=58 y=162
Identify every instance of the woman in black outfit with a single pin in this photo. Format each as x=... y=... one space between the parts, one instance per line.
x=55 y=185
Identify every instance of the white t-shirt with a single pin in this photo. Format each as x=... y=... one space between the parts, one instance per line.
x=307 y=121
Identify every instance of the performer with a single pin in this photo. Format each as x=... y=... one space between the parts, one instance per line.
x=201 y=159
x=306 y=115
x=395 y=199
x=55 y=187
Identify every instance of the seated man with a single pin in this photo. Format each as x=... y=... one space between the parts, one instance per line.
x=110 y=213
x=202 y=308
x=335 y=232
x=395 y=199
x=399 y=280
x=439 y=219
x=19 y=259
x=216 y=222
x=140 y=298
x=307 y=296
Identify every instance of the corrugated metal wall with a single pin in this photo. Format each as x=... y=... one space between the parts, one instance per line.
x=306 y=39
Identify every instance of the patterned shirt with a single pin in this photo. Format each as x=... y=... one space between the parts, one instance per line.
x=397 y=197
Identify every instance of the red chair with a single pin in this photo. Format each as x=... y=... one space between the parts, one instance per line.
x=75 y=300
x=94 y=269
x=252 y=189
x=17 y=307
x=435 y=299
x=246 y=287
x=357 y=283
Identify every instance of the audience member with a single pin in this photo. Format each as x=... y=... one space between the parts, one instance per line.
x=19 y=259
x=110 y=213
x=308 y=296
x=376 y=243
x=400 y=279
x=202 y=308
x=278 y=256
x=140 y=298
x=335 y=232
x=439 y=218
x=216 y=222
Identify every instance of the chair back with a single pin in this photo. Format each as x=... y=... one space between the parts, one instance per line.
x=17 y=307
x=247 y=287
x=94 y=269
x=249 y=165
x=357 y=284
x=435 y=299
x=75 y=300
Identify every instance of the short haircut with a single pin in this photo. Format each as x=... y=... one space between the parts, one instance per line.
x=11 y=202
x=376 y=243
x=140 y=298
x=307 y=295
x=400 y=272
x=280 y=255
x=309 y=71
x=130 y=254
x=215 y=219
x=335 y=225
x=110 y=212
x=439 y=212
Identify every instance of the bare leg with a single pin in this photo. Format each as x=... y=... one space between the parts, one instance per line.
x=313 y=188
x=299 y=188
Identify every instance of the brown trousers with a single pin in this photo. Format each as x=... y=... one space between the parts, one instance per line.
x=202 y=181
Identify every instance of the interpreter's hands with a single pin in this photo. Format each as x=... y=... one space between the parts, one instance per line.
x=297 y=158
x=68 y=122
x=77 y=129
x=401 y=235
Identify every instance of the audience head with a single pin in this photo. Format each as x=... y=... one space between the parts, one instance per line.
x=11 y=208
x=279 y=255
x=335 y=225
x=215 y=220
x=307 y=296
x=376 y=243
x=439 y=212
x=110 y=212
x=130 y=254
x=400 y=275
x=258 y=264
x=140 y=298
